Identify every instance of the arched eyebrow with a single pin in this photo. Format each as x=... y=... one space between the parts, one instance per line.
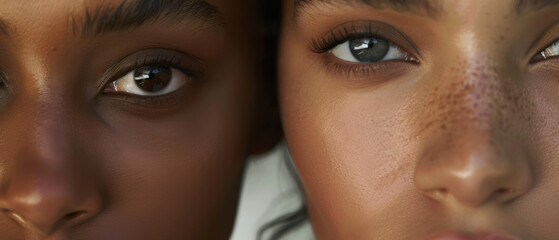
x=429 y=8
x=523 y=6
x=421 y=7
x=136 y=13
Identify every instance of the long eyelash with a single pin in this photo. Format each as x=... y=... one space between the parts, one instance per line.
x=156 y=60
x=335 y=38
x=165 y=61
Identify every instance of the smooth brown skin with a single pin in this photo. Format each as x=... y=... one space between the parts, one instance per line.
x=467 y=140
x=80 y=163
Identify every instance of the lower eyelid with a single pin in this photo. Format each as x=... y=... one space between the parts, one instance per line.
x=166 y=101
x=371 y=72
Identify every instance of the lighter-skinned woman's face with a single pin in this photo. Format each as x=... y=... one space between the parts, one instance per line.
x=124 y=119
x=411 y=119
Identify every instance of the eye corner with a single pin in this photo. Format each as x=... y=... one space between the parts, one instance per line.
x=550 y=52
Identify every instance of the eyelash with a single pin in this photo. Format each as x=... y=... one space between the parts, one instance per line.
x=325 y=44
x=540 y=56
x=336 y=37
x=158 y=101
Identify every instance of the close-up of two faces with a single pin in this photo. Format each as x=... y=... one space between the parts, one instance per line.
x=402 y=119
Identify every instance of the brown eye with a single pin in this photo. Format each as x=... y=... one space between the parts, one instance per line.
x=152 y=78
x=150 y=81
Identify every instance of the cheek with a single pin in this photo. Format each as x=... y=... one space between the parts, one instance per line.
x=544 y=91
x=174 y=176
x=352 y=148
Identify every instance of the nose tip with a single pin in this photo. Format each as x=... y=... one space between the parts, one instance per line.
x=476 y=176
x=48 y=216
x=49 y=205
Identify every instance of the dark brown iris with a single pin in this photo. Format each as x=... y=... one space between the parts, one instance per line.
x=152 y=78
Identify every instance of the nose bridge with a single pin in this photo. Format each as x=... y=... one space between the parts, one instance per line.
x=47 y=185
x=48 y=132
x=475 y=94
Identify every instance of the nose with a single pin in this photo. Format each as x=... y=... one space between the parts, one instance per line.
x=473 y=173
x=45 y=200
x=46 y=184
x=477 y=155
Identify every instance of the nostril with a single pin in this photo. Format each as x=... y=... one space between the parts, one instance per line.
x=14 y=216
x=69 y=219
x=503 y=191
x=73 y=215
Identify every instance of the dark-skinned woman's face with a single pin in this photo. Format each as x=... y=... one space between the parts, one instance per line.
x=124 y=119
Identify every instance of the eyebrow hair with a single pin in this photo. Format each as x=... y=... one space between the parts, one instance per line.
x=135 y=13
x=422 y=7
x=523 y=6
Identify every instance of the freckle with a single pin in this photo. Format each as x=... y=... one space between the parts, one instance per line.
x=436 y=89
x=53 y=49
x=443 y=127
x=502 y=37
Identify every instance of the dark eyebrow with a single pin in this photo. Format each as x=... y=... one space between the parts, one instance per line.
x=422 y=7
x=135 y=13
x=523 y=6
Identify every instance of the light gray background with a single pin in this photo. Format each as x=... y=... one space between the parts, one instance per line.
x=268 y=191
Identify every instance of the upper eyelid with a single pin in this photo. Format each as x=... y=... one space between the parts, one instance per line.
x=123 y=65
x=544 y=37
x=366 y=28
x=538 y=54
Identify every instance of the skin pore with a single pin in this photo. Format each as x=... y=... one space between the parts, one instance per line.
x=447 y=124
x=125 y=119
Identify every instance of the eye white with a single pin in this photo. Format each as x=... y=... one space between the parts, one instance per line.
x=128 y=85
x=551 y=51
x=343 y=51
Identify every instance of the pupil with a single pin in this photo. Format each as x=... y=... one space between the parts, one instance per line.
x=369 y=49
x=152 y=78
